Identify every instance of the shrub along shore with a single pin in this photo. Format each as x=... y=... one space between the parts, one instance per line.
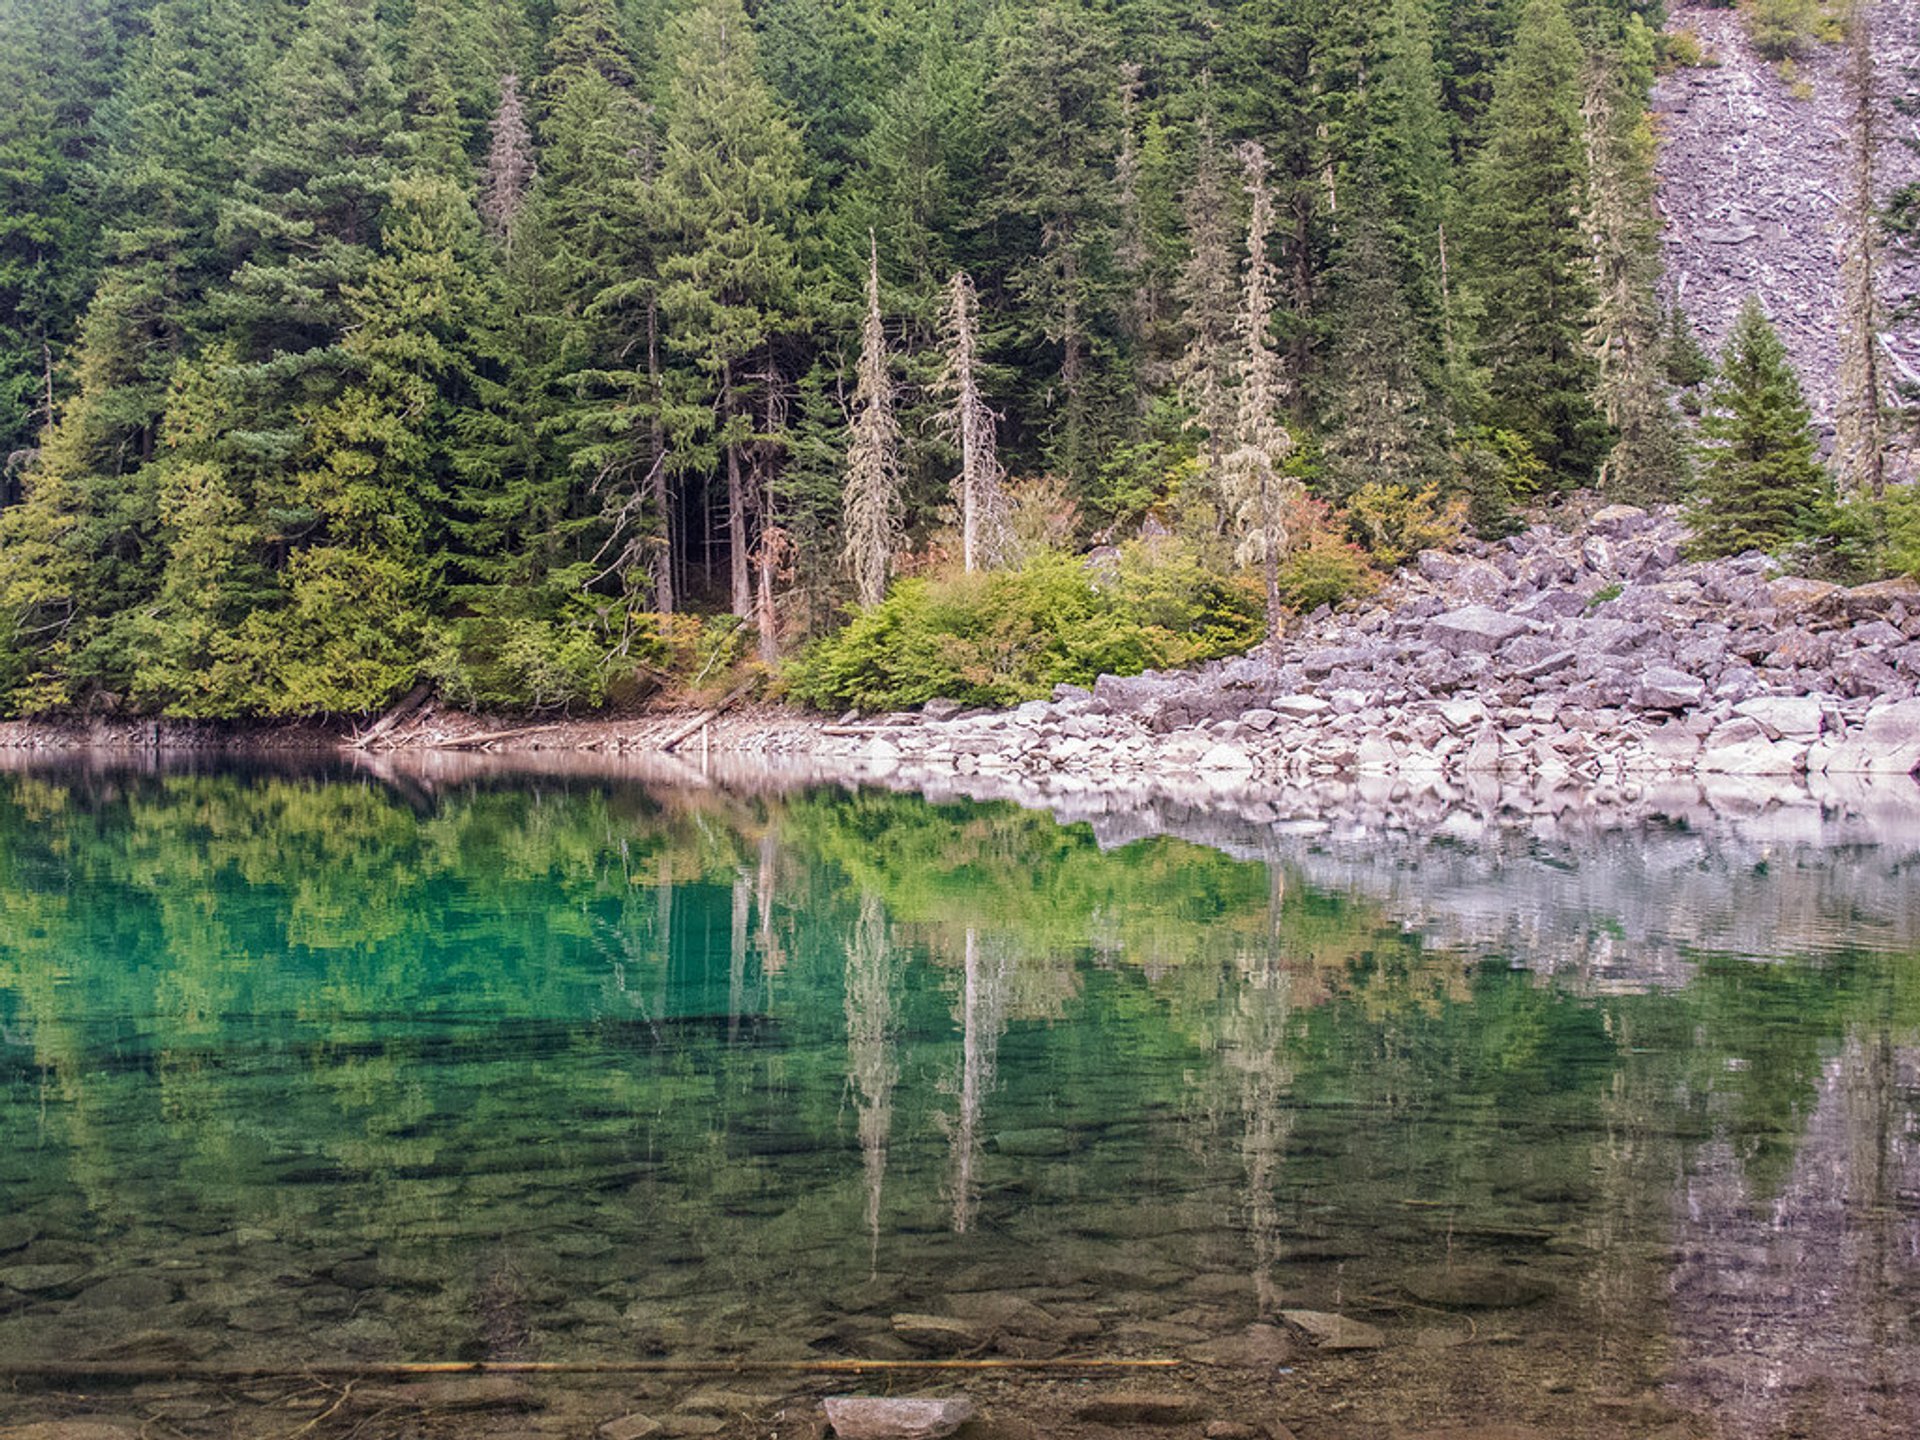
x=1588 y=655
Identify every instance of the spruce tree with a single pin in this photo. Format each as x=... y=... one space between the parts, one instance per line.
x=873 y=509
x=510 y=166
x=1529 y=271
x=1760 y=485
x=731 y=184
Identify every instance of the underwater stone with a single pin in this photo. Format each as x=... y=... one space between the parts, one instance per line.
x=875 y=1417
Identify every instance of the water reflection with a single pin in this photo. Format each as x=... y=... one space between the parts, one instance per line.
x=570 y=1066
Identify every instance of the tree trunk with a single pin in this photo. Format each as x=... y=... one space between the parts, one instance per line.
x=737 y=553
x=657 y=468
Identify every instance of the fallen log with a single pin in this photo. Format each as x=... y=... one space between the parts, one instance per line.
x=406 y=705
x=475 y=742
x=707 y=717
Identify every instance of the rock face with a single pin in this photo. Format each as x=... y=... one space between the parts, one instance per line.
x=1590 y=653
x=875 y=1417
x=1753 y=179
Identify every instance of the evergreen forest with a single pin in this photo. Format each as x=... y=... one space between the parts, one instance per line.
x=548 y=351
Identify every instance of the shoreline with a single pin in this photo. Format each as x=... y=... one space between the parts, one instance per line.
x=1589 y=656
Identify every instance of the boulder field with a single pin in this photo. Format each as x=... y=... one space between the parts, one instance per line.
x=1597 y=654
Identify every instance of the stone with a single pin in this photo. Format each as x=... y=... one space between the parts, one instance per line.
x=940 y=709
x=1139 y=1407
x=630 y=1427
x=74 y=1430
x=16 y=1233
x=894 y=1417
x=1261 y=720
x=1335 y=1332
x=1299 y=707
x=1663 y=688
x=127 y=1292
x=1795 y=593
x=1226 y=759
x=940 y=1334
x=1476 y=1287
x=1619 y=521
x=1476 y=629
x=1255 y=1348
x=40 y=1279
x=1797 y=716
x=463 y=1392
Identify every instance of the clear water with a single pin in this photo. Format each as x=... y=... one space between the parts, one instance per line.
x=312 y=1067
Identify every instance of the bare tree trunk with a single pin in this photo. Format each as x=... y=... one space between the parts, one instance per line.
x=657 y=468
x=739 y=570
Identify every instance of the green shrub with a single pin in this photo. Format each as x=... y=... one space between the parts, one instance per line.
x=1393 y=523
x=1324 y=571
x=1012 y=635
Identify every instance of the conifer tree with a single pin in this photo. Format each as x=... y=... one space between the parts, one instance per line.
x=1254 y=483
x=1051 y=113
x=984 y=536
x=874 y=511
x=510 y=169
x=1647 y=460
x=1209 y=299
x=1860 y=421
x=1760 y=485
x=731 y=182
x=1528 y=262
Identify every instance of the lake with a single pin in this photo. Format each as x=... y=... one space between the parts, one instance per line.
x=1596 y=1121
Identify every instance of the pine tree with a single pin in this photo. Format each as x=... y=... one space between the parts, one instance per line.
x=1255 y=486
x=1648 y=458
x=874 y=513
x=731 y=184
x=1528 y=263
x=1760 y=486
x=985 y=540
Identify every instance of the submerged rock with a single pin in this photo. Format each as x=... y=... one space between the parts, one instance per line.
x=1335 y=1332
x=1476 y=1287
x=1139 y=1407
x=880 y=1417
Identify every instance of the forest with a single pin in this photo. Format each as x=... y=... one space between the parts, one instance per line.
x=549 y=351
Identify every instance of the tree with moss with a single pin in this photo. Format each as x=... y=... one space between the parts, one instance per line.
x=1760 y=486
x=873 y=511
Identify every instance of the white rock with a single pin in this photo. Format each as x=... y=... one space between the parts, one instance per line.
x=883 y=1417
x=1798 y=716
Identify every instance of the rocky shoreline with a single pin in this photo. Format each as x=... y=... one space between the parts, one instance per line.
x=1594 y=655
x=1586 y=654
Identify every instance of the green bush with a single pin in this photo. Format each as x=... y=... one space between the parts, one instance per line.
x=1012 y=635
x=1324 y=571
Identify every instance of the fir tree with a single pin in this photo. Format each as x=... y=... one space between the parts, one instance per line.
x=1528 y=262
x=1051 y=113
x=984 y=535
x=875 y=522
x=1647 y=461
x=1254 y=483
x=731 y=182
x=1209 y=299
x=1760 y=486
x=510 y=169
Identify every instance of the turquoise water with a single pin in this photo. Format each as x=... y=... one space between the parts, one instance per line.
x=308 y=1067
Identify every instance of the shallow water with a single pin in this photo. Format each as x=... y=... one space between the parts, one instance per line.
x=1618 y=1123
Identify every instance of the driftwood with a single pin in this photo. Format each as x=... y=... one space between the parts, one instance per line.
x=135 y=1369
x=407 y=704
x=706 y=717
x=475 y=742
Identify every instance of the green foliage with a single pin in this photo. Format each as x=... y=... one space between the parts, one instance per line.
x=1012 y=635
x=1760 y=486
x=1780 y=29
x=1325 y=570
x=1393 y=523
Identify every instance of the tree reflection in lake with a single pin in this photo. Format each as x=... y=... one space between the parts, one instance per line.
x=288 y=1065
